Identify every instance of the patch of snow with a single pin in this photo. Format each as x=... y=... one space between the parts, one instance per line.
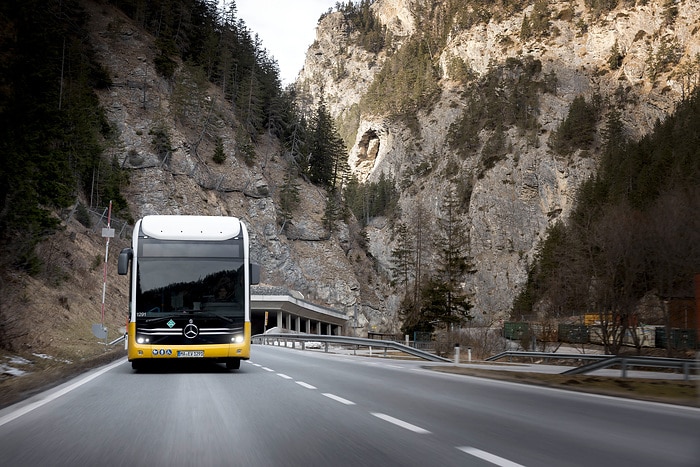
x=11 y=371
x=15 y=360
x=49 y=357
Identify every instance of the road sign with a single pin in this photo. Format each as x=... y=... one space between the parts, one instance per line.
x=99 y=331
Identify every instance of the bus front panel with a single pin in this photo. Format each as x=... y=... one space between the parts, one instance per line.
x=191 y=301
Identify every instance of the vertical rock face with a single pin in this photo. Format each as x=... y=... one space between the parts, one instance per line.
x=299 y=255
x=526 y=186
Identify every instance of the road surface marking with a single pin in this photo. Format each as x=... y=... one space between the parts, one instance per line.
x=306 y=385
x=51 y=397
x=338 y=399
x=282 y=375
x=401 y=423
x=494 y=459
x=267 y=369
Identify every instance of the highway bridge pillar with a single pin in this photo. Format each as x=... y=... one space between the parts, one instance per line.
x=279 y=320
x=288 y=327
x=308 y=326
x=297 y=323
x=329 y=329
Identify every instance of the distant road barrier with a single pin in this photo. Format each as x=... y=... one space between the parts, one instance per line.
x=548 y=355
x=277 y=338
x=606 y=361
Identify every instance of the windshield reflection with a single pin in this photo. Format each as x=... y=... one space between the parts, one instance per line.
x=189 y=285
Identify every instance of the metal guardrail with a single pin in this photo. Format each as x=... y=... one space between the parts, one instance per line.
x=606 y=361
x=118 y=339
x=625 y=363
x=266 y=339
x=548 y=355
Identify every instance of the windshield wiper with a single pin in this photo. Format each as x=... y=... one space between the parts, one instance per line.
x=160 y=318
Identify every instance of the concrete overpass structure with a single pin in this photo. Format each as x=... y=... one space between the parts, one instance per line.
x=289 y=311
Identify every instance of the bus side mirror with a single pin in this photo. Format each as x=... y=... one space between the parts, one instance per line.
x=254 y=274
x=124 y=257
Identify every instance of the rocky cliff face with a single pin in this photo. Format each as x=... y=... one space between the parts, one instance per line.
x=511 y=202
x=184 y=179
x=529 y=187
x=173 y=175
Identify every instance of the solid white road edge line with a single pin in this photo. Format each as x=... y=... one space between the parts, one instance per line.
x=51 y=397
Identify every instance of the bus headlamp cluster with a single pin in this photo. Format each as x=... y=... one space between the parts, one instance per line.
x=141 y=340
x=237 y=339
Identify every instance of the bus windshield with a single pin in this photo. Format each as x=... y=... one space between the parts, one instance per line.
x=189 y=285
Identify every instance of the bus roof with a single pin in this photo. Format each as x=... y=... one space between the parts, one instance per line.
x=175 y=227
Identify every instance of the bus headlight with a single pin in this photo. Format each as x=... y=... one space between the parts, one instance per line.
x=141 y=340
x=237 y=339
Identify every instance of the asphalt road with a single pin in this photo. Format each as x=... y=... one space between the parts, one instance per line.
x=291 y=408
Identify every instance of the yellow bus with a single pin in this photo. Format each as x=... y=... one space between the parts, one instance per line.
x=189 y=294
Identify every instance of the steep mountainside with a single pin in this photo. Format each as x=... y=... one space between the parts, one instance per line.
x=509 y=75
x=184 y=179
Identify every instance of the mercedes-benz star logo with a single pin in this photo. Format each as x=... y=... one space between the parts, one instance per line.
x=190 y=331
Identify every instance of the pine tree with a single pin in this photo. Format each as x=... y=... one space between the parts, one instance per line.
x=289 y=194
x=385 y=197
x=353 y=193
x=403 y=256
x=613 y=134
x=332 y=212
x=219 y=155
x=295 y=132
x=420 y=228
x=327 y=152
x=452 y=240
x=453 y=261
x=249 y=104
x=577 y=131
x=616 y=57
x=339 y=154
x=435 y=305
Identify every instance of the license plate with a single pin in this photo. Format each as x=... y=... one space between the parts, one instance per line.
x=190 y=353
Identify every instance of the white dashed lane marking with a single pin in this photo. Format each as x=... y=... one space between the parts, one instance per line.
x=338 y=399
x=401 y=423
x=487 y=456
x=306 y=385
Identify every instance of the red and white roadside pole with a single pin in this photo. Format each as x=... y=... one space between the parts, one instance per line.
x=107 y=233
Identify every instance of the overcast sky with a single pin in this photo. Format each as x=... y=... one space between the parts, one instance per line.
x=286 y=28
